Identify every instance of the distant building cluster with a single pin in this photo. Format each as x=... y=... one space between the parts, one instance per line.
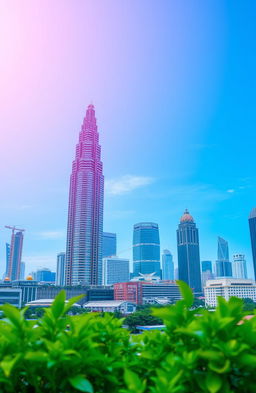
x=91 y=266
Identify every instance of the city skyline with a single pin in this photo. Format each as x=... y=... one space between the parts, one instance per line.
x=165 y=121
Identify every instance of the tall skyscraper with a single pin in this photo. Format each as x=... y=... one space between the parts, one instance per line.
x=252 y=226
x=188 y=252
x=108 y=244
x=115 y=270
x=15 y=255
x=223 y=265
x=7 y=258
x=239 y=266
x=60 y=271
x=146 y=249
x=85 y=214
x=167 y=266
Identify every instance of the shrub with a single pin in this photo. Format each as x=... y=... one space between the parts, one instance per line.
x=211 y=352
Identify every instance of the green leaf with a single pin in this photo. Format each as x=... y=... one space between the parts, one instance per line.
x=72 y=301
x=186 y=293
x=133 y=381
x=58 y=305
x=8 y=364
x=79 y=382
x=213 y=383
x=13 y=315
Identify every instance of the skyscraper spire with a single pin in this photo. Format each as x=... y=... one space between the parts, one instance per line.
x=85 y=215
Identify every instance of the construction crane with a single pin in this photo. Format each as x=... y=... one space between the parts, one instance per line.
x=13 y=228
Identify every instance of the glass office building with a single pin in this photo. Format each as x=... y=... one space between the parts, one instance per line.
x=108 y=244
x=146 y=249
x=223 y=265
x=167 y=266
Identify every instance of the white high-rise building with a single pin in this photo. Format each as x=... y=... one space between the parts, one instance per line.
x=239 y=266
x=228 y=287
x=115 y=270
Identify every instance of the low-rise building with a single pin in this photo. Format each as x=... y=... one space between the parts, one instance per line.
x=153 y=292
x=130 y=291
x=11 y=296
x=111 y=306
x=228 y=287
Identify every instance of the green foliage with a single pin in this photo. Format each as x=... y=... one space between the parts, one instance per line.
x=211 y=352
x=142 y=318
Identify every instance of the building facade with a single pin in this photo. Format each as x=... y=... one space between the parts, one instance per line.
x=46 y=276
x=239 y=266
x=7 y=258
x=11 y=296
x=108 y=244
x=60 y=271
x=130 y=291
x=188 y=252
x=85 y=214
x=15 y=255
x=206 y=272
x=223 y=265
x=228 y=287
x=115 y=270
x=167 y=266
x=252 y=227
x=153 y=292
x=146 y=249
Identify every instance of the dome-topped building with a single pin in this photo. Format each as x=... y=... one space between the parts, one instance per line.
x=186 y=217
x=188 y=252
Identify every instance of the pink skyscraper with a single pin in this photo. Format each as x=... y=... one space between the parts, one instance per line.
x=85 y=215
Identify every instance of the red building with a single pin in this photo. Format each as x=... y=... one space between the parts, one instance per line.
x=130 y=291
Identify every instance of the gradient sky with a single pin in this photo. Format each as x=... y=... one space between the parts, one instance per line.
x=173 y=84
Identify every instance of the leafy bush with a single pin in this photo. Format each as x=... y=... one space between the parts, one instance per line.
x=211 y=352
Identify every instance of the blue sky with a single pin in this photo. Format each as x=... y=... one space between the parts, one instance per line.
x=173 y=84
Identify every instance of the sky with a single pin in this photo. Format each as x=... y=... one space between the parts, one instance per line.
x=173 y=84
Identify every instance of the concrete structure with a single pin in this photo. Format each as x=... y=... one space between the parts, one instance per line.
x=46 y=303
x=151 y=277
x=227 y=287
x=60 y=271
x=188 y=252
x=115 y=270
x=153 y=292
x=11 y=296
x=130 y=291
x=167 y=266
x=111 y=306
x=223 y=265
x=108 y=244
x=28 y=289
x=85 y=214
x=146 y=248
x=239 y=266
x=252 y=226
